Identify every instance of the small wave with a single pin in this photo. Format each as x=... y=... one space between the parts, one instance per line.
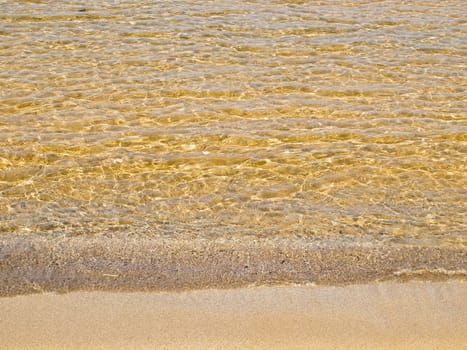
x=438 y=272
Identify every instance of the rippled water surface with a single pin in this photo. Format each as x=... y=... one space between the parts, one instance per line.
x=226 y=118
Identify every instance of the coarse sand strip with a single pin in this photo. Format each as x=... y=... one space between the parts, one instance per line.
x=38 y=264
x=412 y=315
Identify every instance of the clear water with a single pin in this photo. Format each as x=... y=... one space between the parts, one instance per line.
x=233 y=118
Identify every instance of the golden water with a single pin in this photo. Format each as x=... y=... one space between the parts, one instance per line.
x=226 y=118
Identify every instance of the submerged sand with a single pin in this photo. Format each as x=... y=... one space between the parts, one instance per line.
x=414 y=315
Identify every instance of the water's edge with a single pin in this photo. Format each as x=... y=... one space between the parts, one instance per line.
x=33 y=264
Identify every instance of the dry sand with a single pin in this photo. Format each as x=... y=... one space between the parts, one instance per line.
x=414 y=315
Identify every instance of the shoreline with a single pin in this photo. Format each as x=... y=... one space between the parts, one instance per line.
x=38 y=264
x=428 y=315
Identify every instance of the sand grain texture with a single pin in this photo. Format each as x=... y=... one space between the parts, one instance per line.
x=32 y=264
x=415 y=315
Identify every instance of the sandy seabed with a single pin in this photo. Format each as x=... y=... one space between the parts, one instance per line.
x=413 y=315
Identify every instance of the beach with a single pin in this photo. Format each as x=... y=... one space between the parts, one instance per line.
x=230 y=175
x=415 y=315
x=38 y=264
x=146 y=293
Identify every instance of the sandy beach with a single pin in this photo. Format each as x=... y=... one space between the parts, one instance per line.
x=414 y=315
x=124 y=263
x=126 y=292
x=233 y=175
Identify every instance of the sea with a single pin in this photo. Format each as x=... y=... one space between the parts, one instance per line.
x=234 y=119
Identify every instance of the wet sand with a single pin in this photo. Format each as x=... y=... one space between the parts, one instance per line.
x=415 y=315
x=136 y=292
x=38 y=264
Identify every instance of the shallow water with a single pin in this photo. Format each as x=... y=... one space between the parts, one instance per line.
x=221 y=119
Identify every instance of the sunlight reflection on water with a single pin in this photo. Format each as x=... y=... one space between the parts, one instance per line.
x=218 y=118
